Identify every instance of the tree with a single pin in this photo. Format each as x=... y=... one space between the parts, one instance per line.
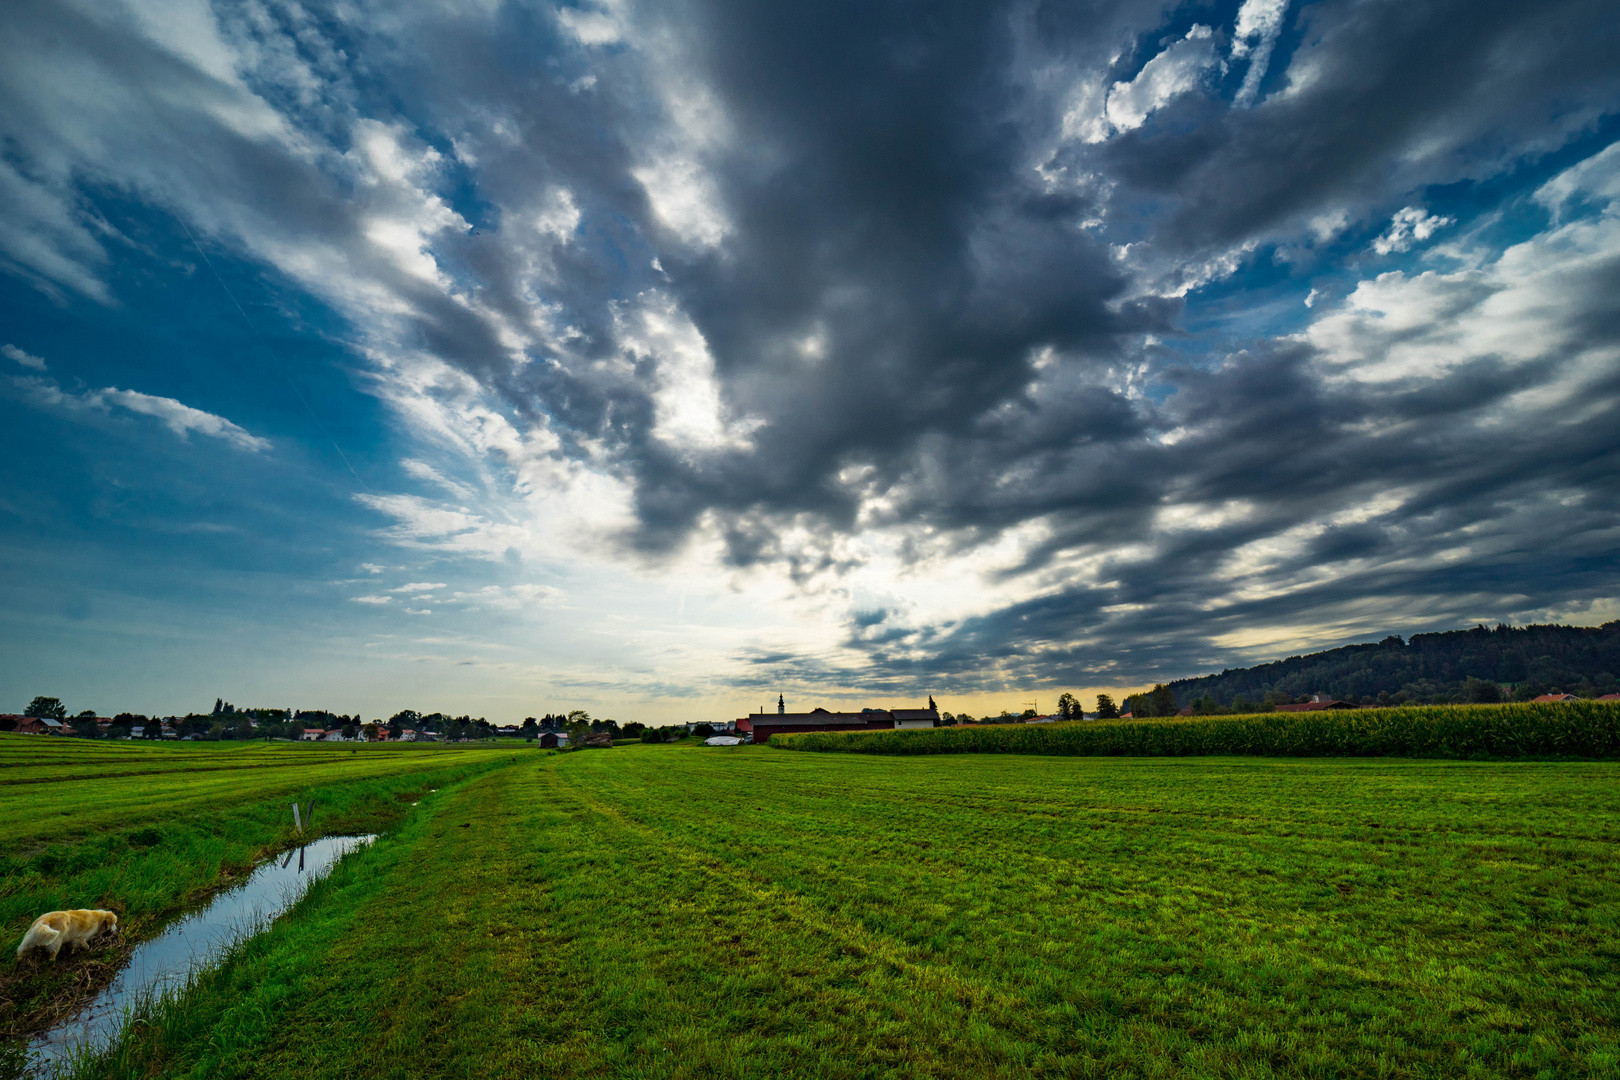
x=372 y=731
x=1481 y=691
x=703 y=731
x=1162 y=700
x=530 y=728
x=931 y=704
x=1106 y=709
x=1205 y=704
x=1068 y=708
x=1240 y=704
x=47 y=708
x=350 y=731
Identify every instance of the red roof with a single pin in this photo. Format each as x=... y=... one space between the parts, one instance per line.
x=1555 y=697
x=1610 y=697
x=1315 y=706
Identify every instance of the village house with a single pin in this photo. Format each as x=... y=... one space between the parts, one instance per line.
x=553 y=740
x=313 y=734
x=1556 y=697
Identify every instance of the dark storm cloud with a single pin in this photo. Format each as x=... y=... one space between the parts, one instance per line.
x=942 y=308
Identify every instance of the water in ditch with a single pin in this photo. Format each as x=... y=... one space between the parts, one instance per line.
x=167 y=962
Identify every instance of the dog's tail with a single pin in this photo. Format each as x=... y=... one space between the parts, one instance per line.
x=39 y=937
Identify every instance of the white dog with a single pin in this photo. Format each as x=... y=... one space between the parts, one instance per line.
x=56 y=929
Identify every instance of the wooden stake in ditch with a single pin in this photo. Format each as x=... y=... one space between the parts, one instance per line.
x=298 y=822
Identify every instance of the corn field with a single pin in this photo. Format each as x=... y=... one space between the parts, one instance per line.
x=1575 y=729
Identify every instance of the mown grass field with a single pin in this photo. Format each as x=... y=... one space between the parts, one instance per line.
x=149 y=829
x=684 y=911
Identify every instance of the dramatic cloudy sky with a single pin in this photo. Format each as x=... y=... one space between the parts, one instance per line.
x=658 y=358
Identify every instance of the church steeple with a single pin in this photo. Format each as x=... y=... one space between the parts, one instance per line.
x=781 y=706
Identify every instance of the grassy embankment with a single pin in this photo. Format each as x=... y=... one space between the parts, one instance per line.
x=148 y=829
x=1576 y=729
x=681 y=911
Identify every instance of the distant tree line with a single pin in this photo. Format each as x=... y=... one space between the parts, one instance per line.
x=1478 y=665
x=228 y=721
x=1069 y=707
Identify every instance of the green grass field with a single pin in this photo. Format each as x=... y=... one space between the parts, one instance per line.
x=149 y=829
x=683 y=911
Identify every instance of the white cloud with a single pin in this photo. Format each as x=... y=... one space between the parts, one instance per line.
x=691 y=415
x=1407 y=227
x=1530 y=303
x=177 y=416
x=1255 y=35
x=602 y=27
x=511 y=597
x=27 y=360
x=419 y=586
x=1175 y=71
x=684 y=199
x=183 y=419
x=1598 y=177
x=374 y=599
x=48 y=235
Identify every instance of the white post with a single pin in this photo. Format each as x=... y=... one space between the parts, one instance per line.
x=297 y=821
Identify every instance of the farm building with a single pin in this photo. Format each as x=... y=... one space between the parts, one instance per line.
x=763 y=725
x=314 y=734
x=1317 y=706
x=37 y=725
x=915 y=718
x=1610 y=697
x=1556 y=697
x=553 y=740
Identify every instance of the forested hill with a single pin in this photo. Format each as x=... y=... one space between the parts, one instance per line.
x=1523 y=661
